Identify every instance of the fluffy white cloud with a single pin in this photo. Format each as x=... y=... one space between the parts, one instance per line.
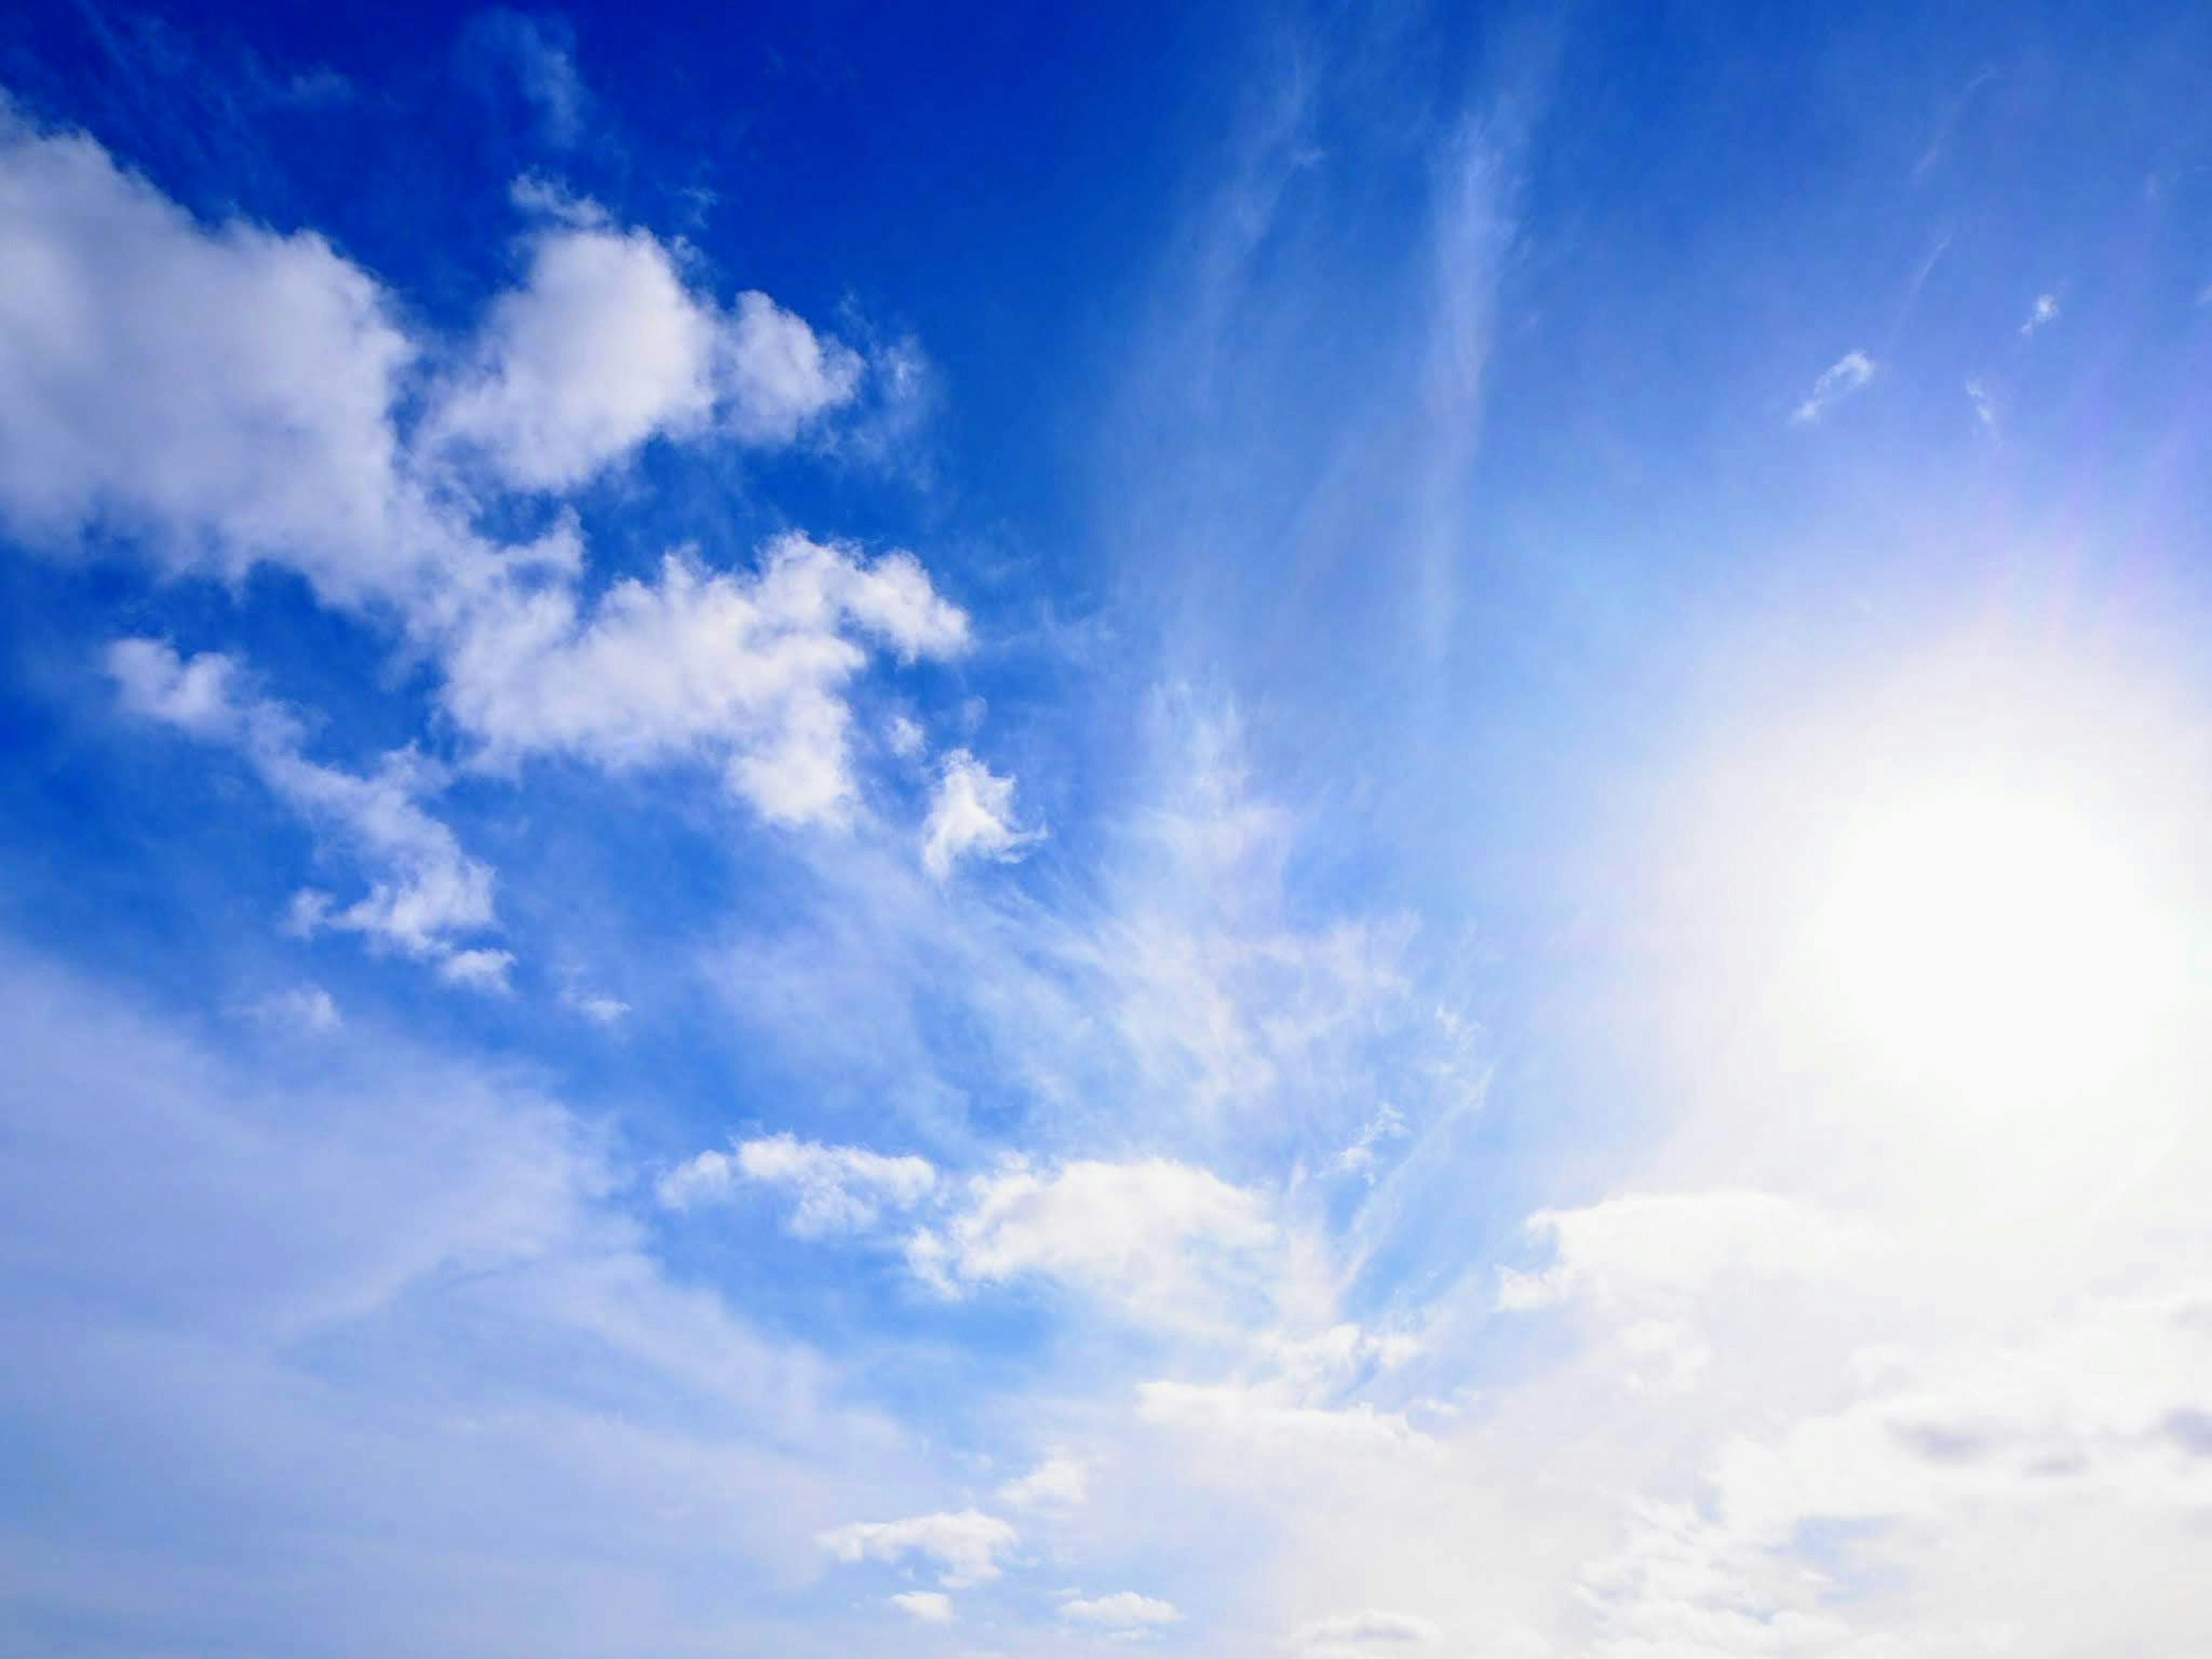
x=1660 y=1242
x=599 y=350
x=425 y=893
x=1165 y=1240
x=971 y=815
x=775 y=374
x=1059 y=1482
x=226 y=396
x=837 y=1189
x=925 y=1607
x=223 y=392
x=1847 y=374
x=604 y=347
x=1126 y=1610
x=746 y=671
x=1355 y=1632
x=2041 y=314
x=966 y=1544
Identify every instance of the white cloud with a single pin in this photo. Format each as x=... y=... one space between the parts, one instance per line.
x=604 y=347
x=479 y=969
x=966 y=1545
x=775 y=374
x=1679 y=1243
x=1059 y=1482
x=925 y=1607
x=225 y=397
x=906 y=737
x=1165 y=1240
x=2041 y=315
x=1985 y=409
x=1388 y=1124
x=1355 y=1632
x=971 y=815
x=596 y=1006
x=1125 y=1610
x=425 y=893
x=1323 y=1361
x=838 y=1189
x=1847 y=374
x=303 y=1008
x=747 y=670
x=225 y=392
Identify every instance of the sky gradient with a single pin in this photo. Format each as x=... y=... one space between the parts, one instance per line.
x=1354 y=832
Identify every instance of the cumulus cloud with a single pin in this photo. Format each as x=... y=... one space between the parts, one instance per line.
x=425 y=896
x=222 y=397
x=1681 y=1242
x=746 y=671
x=1355 y=1632
x=1123 y=1611
x=223 y=392
x=971 y=815
x=1059 y=1482
x=966 y=1545
x=2041 y=314
x=1847 y=374
x=1165 y=1240
x=835 y=1189
x=925 y=1607
x=604 y=347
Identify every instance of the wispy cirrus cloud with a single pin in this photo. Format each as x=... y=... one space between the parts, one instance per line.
x=1849 y=375
x=427 y=896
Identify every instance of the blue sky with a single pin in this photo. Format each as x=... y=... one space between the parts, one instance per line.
x=1239 y=830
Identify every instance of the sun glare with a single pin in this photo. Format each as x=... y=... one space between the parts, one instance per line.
x=2003 y=946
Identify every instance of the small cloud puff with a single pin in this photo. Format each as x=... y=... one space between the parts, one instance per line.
x=925 y=1607
x=1126 y=1611
x=2042 y=314
x=307 y=1008
x=596 y=1006
x=905 y=737
x=1847 y=374
x=1060 y=1481
x=966 y=1545
x=838 y=1189
x=1985 y=410
x=971 y=815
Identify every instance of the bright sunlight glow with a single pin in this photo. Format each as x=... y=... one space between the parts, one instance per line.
x=2000 y=945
